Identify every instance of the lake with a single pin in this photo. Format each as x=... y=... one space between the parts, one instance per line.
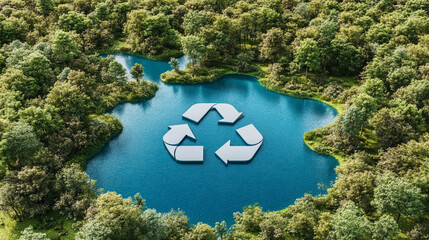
x=283 y=169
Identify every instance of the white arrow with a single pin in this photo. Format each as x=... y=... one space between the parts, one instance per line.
x=197 y=111
x=251 y=136
x=186 y=153
x=177 y=133
x=228 y=153
x=228 y=112
x=189 y=153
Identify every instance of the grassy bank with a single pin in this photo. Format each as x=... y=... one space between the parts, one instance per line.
x=55 y=227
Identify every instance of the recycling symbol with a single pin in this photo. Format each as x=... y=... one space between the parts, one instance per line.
x=227 y=153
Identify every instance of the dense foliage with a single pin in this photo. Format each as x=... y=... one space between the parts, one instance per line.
x=370 y=58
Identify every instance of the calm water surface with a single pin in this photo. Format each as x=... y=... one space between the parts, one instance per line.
x=283 y=169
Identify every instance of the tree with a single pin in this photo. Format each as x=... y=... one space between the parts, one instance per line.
x=116 y=72
x=411 y=114
x=102 y=11
x=29 y=234
x=379 y=33
x=72 y=21
x=174 y=63
x=249 y=220
x=137 y=72
x=273 y=227
x=396 y=196
x=384 y=228
x=302 y=217
x=355 y=182
x=351 y=122
x=93 y=230
x=243 y=61
x=194 y=21
x=308 y=55
x=64 y=74
x=220 y=229
x=400 y=77
x=37 y=66
x=10 y=102
x=154 y=225
x=44 y=120
x=275 y=70
x=328 y=29
x=18 y=145
x=301 y=225
x=45 y=6
x=177 y=225
x=350 y=223
x=201 y=231
x=76 y=191
x=415 y=93
x=324 y=227
x=405 y=159
x=26 y=193
x=121 y=216
x=64 y=47
x=366 y=104
x=272 y=46
x=347 y=58
x=14 y=79
x=193 y=47
x=69 y=99
x=375 y=88
x=150 y=33
x=390 y=128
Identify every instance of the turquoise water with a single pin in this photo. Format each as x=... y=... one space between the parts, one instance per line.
x=283 y=169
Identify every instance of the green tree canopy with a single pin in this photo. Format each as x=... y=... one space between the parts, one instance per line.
x=350 y=223
x=193 y=47
x=308 y=55
x=26 y=193
x=19 y=144
x=137 y=72
x=396 y=196
x=64 y=47
x=68 y=99
x=273 y=46
x=201 y=231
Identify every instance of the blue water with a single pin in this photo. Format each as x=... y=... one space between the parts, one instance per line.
x=283 y=169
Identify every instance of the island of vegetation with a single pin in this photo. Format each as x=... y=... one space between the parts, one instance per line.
x=369 y=59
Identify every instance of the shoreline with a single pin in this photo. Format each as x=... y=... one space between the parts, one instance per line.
x=222 y=72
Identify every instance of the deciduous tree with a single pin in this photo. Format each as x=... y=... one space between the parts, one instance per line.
x=396 y=196
x=26 y=193
x=350 y=223
x=201 y=231
x=272 y=46
x=64 y=47
x=308 y=55
x=137 y=72
x=19 y=144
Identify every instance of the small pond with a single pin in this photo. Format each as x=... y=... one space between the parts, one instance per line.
x=283 y=169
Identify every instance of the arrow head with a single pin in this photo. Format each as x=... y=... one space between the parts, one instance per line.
x=184 y=128
x=231 y=119
x=222 y=152
x=228 y=112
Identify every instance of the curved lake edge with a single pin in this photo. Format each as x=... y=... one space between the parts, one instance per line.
x=261 y=78
x=263 y=81
x=252 y=77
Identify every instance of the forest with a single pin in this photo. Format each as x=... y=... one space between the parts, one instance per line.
x=367 y=58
